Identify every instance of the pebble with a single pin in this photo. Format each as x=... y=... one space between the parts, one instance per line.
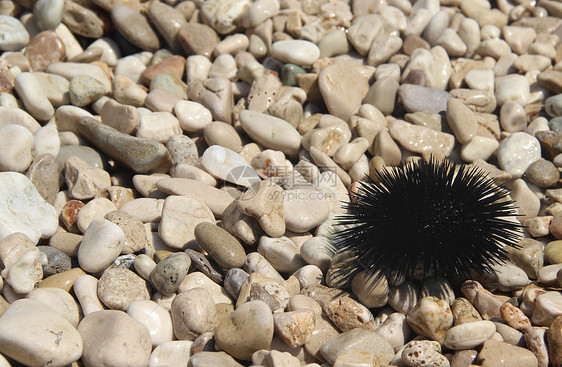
x=271 y=132
x=248 y=329
x=361 y=341
x=512 y=88
x=469 y=335
x=16 y=35
x=198 y=279
x=421 y=99
x=34 y=334
x=23 y=209
x=228 y=165
x=59 y=301
x=354 y=85
x=16 y=149
x=461 y=120
x=554 y=341
x=84 y=90
x=192 y=116
x=96 y=208
x=299 y=52
x=171 y=353
x=45 y=49
x=517 y=152
x=83 y=180
x=102 y=243
x=156 y=319
x=118 y=288
x=114 y=338
x=53 y=261
x=431 y=317
x=169 y=273
x=221 y=245
x=542 y=173
x=426 y=140
x=494 y=352
x=193 y=313
x=134 y=27
x=423 y=352
x=33 y=98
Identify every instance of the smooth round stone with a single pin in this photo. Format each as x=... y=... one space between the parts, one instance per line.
x=193 y=313
x=228 y=165
x=45 y=49
x=297 y=212
x=16 y=145
x=192 y=116
x=47 y=140
x=102 y=243
x=23 y=209
x=53 y=260
x=172 y=353
x=554 y=339
x=271 y=132
x=158 y=126
x=33 y=98
x=156 y=319
x=84 y=90
x=288 y=73
x=469 y=335
x=248 y=329
x=224 y=248
x=36 y=335
x=47 y=14
x=543 y=173
x=479 y=148
x=118 y=288
x=113 y=338
x=517 y=152
x=169 y=273
x=95 y=209
x=198 y=279
x=553 y=252
x=480 y=80
x=183 y=151
x=135 y=28
x=526 y=63
x=299 y=52
x=15 y=35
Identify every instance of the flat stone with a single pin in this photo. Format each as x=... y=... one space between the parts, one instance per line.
x=358 y=340
x=339 y=79
x=495 y=351
x=82 y=21
x=84 y=90
x=118 y=288
x=421 y=99
x=34 y=334
x=421 y=139
x=23 y=209
x=114 y=338
x=16 y=148
x=270 y=131
x=168 y=20
x=299 y=52
x=102 y=243
x=517 y=152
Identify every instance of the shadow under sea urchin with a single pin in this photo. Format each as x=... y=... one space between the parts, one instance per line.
x=424 y=219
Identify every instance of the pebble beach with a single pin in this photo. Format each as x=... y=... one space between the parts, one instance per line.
x=171 y=174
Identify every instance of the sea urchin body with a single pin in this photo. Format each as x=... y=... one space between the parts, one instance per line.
x=435 y=217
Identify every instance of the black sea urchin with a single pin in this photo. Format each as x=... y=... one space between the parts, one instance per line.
x=435 y=217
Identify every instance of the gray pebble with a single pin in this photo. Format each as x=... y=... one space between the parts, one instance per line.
x=170 y=272
x=54 y=261
x=84 y=89
x=223 y=247
x=200 y=261
x=556 y=124
x=81 y=151
x=421 y=99
x=183 y=150
x=553 y=105
x=125 y=261
x=233 y=281
x=543 y=173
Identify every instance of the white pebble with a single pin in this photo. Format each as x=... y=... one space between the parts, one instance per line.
x=517 y=152
x=299 y=52
x=101 y=244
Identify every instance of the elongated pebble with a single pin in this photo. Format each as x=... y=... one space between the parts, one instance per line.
x=272 y=132
x=299 y=52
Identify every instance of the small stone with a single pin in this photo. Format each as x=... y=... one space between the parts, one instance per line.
x=461 y=120
x=84 y=90
x=421 y=139
x=57 y=300
x=16 y=148
x=221 y=245
x=16 y=35
x=114 y=338
x=135 y=235
x=262 y=127
x=135 y=28
x=53 y=261
x=512 y=88
x=422 y=99
x=34 y=334
x=358 y=340
x=156 y=319
x=83 y=180
x=494 y=352
x=514 y=317
x=517 y=152
x=193 y=313
x=102 y=243
x=45 y=49
x=371 y=289
x=197 y=279
x=96 y=208
x=248 y=329
x=355 y=86
x=426 y=352
x=543 y=173
x=118 y=288
x=228 y=165
x=299 y=52
x=64 y=280
x=469 y=335
x=538 y=226
x=431 y=317
x=175 y=352
x=23 y=209
x=169 y=273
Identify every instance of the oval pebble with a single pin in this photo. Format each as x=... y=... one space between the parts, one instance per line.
x=299 y=52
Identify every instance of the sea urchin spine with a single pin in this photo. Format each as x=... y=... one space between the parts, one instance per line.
x=435 y=217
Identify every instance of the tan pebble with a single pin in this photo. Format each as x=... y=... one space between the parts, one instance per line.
x=536 y=340
x=464 y=312
x=553 y=252
x=515 y=317
x=64 y=280
x=83 y=180
x=264 y=201
x=494 y=351
x=461 y=120
x=538 y=226
x=296 y=327
x=420 y=139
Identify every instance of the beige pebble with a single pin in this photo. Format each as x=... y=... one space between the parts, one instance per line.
x=461 y=120
x=419 y=139
x=94 y=209
x=535 y=338
x=495 y=351
x=513 y=117
x=83 y=180
x=193 y=313
x=282 y=254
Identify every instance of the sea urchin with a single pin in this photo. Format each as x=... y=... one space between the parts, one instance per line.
x=432 y=217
